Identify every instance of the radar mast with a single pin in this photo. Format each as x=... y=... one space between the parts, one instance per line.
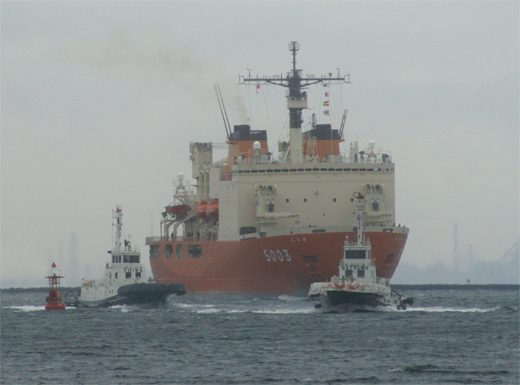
x=296 y=98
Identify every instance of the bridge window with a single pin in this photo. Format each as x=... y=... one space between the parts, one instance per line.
x=247 y=230
x=168 y=250
x=131 y=258
x=154 y=251
x=355 y=254
x=194 y=251
x=178 y=251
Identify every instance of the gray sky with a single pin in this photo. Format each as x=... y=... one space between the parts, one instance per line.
x=101 y=99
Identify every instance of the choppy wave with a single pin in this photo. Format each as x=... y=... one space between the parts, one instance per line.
x=290 y=298
x=430 y=368
x=213 y=310
x=303 y=308
x=452 y=309
x=124 y=308
x=29 y=308
x=257 y=340
x=256 y=309
x=285 y=311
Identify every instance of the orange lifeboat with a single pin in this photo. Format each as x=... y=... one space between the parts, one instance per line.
x=212 y=209
x=177 y=210
x=200 y=209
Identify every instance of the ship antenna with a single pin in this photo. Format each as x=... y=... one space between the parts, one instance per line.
x=223 y=110
x=294 y=46
x=117 y=215
x=296 y=98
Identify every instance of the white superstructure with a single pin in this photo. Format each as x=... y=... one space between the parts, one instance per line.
x=263 y=196
x=124 y=269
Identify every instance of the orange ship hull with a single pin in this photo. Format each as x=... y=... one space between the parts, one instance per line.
x=281 y=264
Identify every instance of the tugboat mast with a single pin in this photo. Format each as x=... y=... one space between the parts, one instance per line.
x=296 y=99
x=117 y=214
x=361 y=202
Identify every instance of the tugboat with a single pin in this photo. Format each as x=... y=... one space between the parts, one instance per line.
x=357 y=285
x=123 y=282
x=54 y=301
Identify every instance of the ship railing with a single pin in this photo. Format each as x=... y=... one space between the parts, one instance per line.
x=257 y=159
x=92 y=283
x=318 y=159
x=152 y=240
x=370 y=158
x=176 y=238
x=168 y=238
x=333 y=159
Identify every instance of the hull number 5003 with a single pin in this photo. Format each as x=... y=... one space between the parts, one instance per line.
x=277 y=255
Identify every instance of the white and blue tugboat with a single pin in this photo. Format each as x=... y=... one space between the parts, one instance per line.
x=357 y=287
x=123 y=282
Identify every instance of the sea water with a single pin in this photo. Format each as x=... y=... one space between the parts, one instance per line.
x=466 y=336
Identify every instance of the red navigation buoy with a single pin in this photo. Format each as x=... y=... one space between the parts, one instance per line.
x=54 y=299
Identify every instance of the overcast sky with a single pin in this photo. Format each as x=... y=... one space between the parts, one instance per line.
x=99 y=101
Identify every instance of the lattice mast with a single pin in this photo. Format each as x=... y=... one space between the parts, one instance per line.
x=296 y=98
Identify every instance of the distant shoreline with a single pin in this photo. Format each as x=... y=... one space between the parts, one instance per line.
x=448 y=286
x=433 y=286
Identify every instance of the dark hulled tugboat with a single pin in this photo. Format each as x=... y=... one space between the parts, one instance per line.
x=357 y=286
x=123 y=282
